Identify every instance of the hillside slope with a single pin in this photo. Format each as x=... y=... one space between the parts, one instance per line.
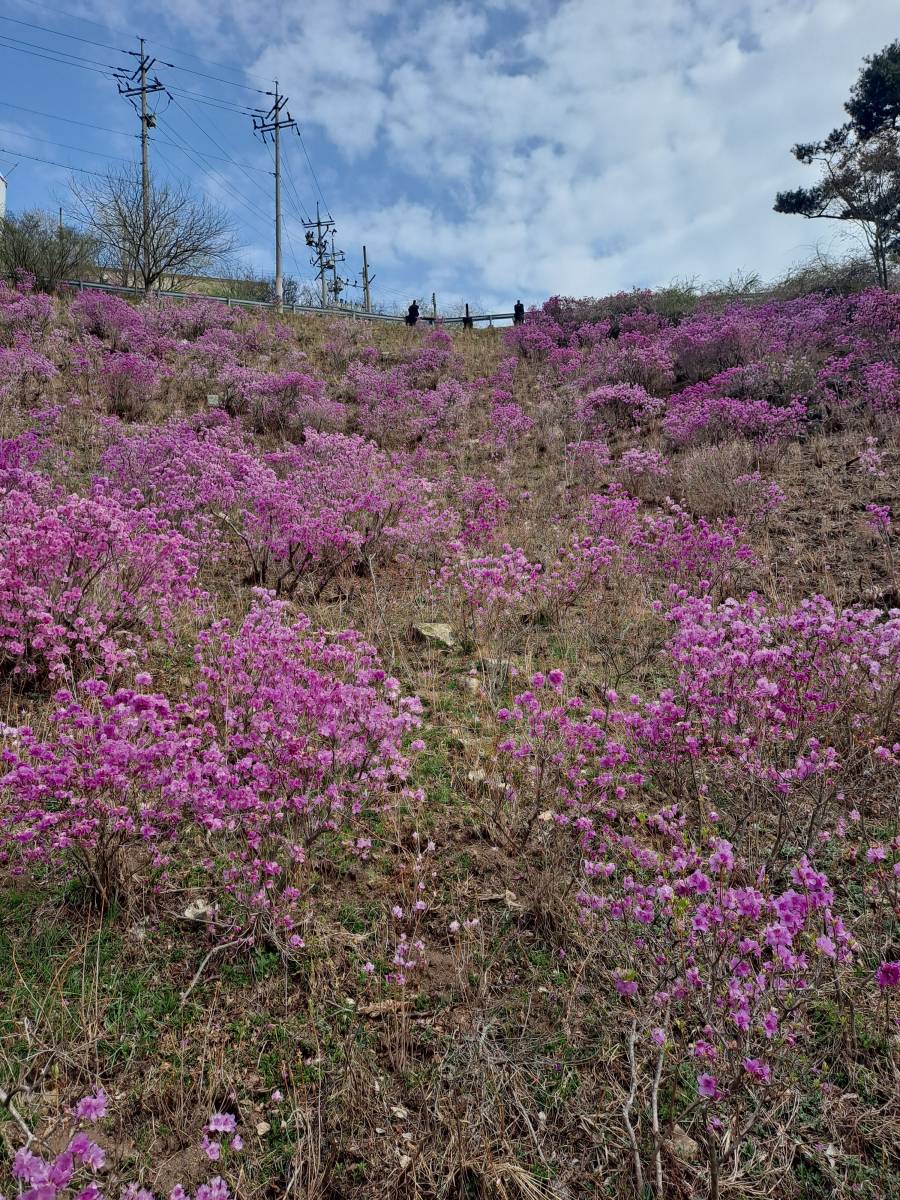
x=457 y=766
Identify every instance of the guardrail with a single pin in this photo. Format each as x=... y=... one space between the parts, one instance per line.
x=335 y=311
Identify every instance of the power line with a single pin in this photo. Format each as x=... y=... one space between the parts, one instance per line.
x=49 y=161
x=218 y=146
x=59 y=33
x=60 y=62
x=189 y=155
x=192 y=154
x=118 y=49
x=68 y=120
x=312 y=172
x=63 y=145
x=216 y=101
x=294 y=192
x=162 y=45
x=218 y=157
x=217 y=79
x=287 y=230
x=64 y=54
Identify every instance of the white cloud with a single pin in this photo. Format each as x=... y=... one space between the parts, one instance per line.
x=576 y=146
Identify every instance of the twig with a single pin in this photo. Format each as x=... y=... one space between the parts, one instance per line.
x=657 y=1140
x=626 y=1111
x=215 y=950
x=6 y=1099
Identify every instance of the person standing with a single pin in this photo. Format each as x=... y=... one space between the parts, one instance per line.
x=518 y=313
x=412 y=314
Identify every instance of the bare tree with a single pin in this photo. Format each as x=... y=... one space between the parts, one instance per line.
x=43 y=246
x=185 y=235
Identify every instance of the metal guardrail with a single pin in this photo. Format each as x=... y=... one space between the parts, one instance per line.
x=338 y=311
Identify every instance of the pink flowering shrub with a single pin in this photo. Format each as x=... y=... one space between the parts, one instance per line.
x=767 y=708
x=395 y=412
x=302 y=739
x=617 y=406
x=508 y=425
x=129 y=380
x=638 y=467
x=739 y=400
x=189 y=320
x=23 y=369
x=198 y=474
x=101 y=789
x=589 y=459
x=636 y=359
x=871 y=459
x=112 y=320
x=290 y=739
x=293 y=520
x=490 y=591
x=709 y=343
x=279 y=403
x=535 y=337
x=23 y=312
x=84 y=582
x=771 y=708
x=482 y=507
x=670 y=544
x=337 y=502
x=713 y=966
x=82 y=1170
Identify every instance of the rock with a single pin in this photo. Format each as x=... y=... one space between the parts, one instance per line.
x=262 y=1128
x=436 y=633
x=198 y=910
x=683 y=1145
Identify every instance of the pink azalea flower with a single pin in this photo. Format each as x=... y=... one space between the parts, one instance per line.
x=707 y=1086
x=222 y=1123
x=888 y=974
x=91 y=1108
x=211 y=1149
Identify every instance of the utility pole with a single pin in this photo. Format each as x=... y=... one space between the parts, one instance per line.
x=337 y=284
x=318 y=243
x=131 y=86
x=273 y=122
x=145 y=159
x=434 y=307
x=367 y=281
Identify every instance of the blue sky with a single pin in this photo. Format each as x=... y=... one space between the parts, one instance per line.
x=484 y=151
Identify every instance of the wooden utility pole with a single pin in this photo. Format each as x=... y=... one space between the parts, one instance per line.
x=272 y=122
x=367 y=295
x=434 y=307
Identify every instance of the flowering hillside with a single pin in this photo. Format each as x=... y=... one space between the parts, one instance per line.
x=449 y=766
